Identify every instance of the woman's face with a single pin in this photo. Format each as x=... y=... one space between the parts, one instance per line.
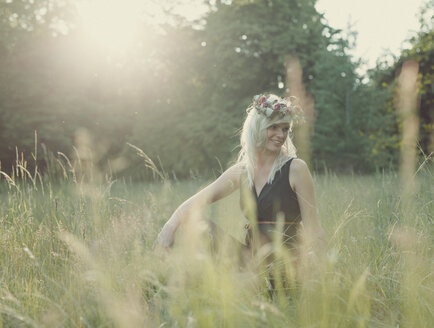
x=276 y=136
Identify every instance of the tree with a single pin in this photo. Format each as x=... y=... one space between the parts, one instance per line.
x=384 y=80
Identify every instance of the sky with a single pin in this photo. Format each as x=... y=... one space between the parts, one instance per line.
x=382 y=25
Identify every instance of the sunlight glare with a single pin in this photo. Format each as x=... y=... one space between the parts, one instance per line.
x=111 y=24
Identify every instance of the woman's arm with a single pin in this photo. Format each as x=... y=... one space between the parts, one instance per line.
x=302 y=183
x=227 y=183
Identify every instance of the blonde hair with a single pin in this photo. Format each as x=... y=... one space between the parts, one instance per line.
x=254 y=136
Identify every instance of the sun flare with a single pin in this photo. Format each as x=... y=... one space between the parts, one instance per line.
x=111 y=24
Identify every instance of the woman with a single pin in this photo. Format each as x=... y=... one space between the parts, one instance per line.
x=273 y=182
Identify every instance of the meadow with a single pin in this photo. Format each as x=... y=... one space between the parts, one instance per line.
x=76 y=251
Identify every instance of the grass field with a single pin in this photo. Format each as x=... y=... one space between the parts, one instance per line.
x=75 y=251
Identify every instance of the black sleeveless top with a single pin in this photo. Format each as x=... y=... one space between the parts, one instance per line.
x=276 y=199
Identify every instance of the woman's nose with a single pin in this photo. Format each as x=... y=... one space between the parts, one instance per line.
x=281 y=133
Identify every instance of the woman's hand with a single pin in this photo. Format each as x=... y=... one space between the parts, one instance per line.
x=166 y=237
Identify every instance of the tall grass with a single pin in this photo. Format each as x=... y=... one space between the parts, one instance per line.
x=75 y=251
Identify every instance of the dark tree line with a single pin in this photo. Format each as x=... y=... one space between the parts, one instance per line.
x=181 y=94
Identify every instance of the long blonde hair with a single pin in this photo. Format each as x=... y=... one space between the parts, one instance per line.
x=254 y=136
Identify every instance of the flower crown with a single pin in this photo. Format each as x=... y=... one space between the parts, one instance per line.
x=268 y=105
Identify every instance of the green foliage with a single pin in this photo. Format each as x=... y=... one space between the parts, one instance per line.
x=384 y=82
x=180 y=94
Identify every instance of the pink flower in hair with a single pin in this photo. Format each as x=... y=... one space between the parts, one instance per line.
x=276 y=107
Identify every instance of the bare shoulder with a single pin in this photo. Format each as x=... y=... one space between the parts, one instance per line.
x=234 y=171
x=232 y=175
x=225 y=184
x=299 y=173
x=236 y=168
x=299 y=166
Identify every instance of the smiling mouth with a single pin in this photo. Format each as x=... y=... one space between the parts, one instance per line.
x=277 y=143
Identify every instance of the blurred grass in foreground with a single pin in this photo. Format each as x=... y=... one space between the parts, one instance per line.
x=75 y=251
